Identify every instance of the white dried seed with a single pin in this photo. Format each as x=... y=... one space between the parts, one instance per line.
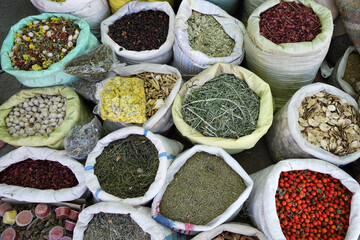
x=21 y=131
x=31 y=104
x=34 y=109
x=21 y=124
x=22 y=111
x=17 y=114
x=16 y=121
x=17 y=127
x=32 y=120
x=44 y=127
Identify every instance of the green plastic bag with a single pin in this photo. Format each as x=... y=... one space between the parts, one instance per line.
x=54 y=75
x=76 y=112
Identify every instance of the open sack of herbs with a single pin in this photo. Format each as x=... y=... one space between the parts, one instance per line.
x=37 y=47
x=141 y=32
x=114 y=220
x=231 y=231
x=205 y=35
x=322 y=121
x=225 y=106
x=23 y=221
x=205 y=187
x=346 y=73
x=143 y=98
x=127 y=166
x=40 y=175
x=295 y=33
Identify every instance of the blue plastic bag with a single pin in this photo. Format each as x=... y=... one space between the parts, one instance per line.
x=54 y=75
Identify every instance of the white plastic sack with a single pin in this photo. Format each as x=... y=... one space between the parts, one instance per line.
x=228 y=215
x=234 y=227
x=141 y=215
x=167 y=150
x=37 y=195
x=338 y=74
x=189 y=61
x=262 y=199
x=161 y=55
x=91 y=11
x=284 y=139
x=162 y=119
x=288 y=66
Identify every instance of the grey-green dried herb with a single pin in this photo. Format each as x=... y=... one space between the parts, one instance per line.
x=112 y=226
x=85 y=88
x=82 y=138
x=223 y=107
x=127 y=167
x=203 y=188
x=208 y=36
x=93 y=65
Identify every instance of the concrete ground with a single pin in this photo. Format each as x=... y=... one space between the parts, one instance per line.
x=12 y=11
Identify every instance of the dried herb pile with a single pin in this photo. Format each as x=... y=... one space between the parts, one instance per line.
x=208 y=36
x=127 y=167
x=123 y=100
x=223 y=107
x=289 y=22
x=40 y=174
x=145 y=30
x=93 y=65
x=352 y=71
x=157 y=88
x=203 y=188
x=233 y=236
x=42 y=43
x=111 y=226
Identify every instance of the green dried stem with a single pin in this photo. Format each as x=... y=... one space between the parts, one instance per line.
x=203 y=188
x=127 y=167
x=223 y=107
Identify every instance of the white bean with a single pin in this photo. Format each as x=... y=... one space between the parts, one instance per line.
x=22 y=131
x=22 y=111
x=28 y=109
x=32 y=120
x=17 y=127
x=17 y=114
x=31 y=104
x=22 y=124
x=25 y=104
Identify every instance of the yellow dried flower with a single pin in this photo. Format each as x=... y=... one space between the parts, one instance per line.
x=123 y=100
x=25 y=56
x=36 y=67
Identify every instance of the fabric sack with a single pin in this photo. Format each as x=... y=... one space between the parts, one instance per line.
x=284 y=139
x=262 y=207
x=161 y=55
x=189 y=61
x=54 y=75
x=37 y=195
x=167 y=149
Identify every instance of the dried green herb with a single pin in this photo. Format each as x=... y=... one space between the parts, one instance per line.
x=203 y=188
x=208 y=36
x=85 y=88
x=127 y=167
x=352 y=70
x=111 y=226
x=93 y=65
x=223 y=107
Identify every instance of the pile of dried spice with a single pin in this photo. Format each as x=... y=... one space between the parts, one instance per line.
x=330 y=123
x=208 y=36
x=233 y=236
x=43 y=221
x=37 y=116
x=157 y=88
x=312 y=205
x=42 y=43
x=223 y=107
x=123 y=100
x=127 y=167
x=145 y=30
x=352 y=71
x=93 y=65
x=203 y=188
x=39 y=174
x=289 y=22
x=114 y=226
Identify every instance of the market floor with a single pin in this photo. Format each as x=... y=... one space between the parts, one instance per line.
x=11 y=12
